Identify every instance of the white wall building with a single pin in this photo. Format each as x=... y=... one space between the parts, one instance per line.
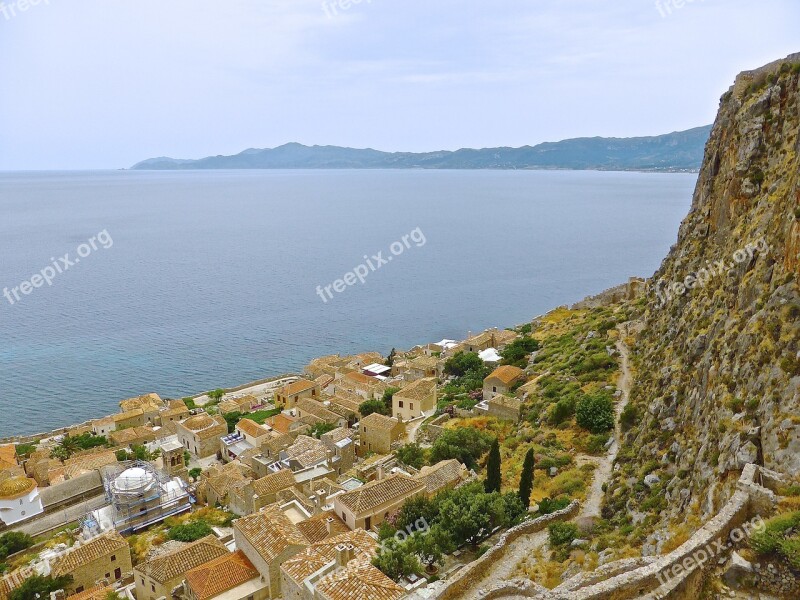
x=19 y=500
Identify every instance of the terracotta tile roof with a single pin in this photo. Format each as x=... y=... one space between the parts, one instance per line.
x=317 y=409
x=378 y=421
x=377 y=493
x=99 y=592
x=8 y=456
x=174 y=564
x=78 y=556
x=360 y=378
x=147 y=402
x=424 y=362
x=281 y=423
x=220 y=575
x=324 y=381
x=315 y=529
x=297 y=387
x=89 y=462
x=11 y=581
x=418 y=390
x=506 y=373
x=130 y=414
x=251 y=428
x=277 y=443
x=124 y=437
x=270 y=532
x=337 y=435
x=481 y=338
x=205 y=426
x=226 y=477
x=441 y=475
x=359 y=580
x=274 y=482
x=320 y=554
x=307 y=451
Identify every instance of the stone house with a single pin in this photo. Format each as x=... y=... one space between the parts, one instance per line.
x=132 y=436
x=341 y=448
x=444 y=475
x=505 y=407
x=422 y=367
x=255 y=495
x=501 y=380
x=415 y=400
x=159 y=576
x=106 y=557
x=131 y=418
x=288 y=395
x=200 y=434
x=378 y=432
x=312 y=408
x=365 y=386
x=150 y=405
x=229 y=577
x=269 y=538
x=368 y=506
x=322 y=571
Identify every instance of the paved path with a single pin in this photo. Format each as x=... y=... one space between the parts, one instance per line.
x=521 y=548
x=61 y=517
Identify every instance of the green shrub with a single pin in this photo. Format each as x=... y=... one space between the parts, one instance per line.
x=629 y=416
x=562 y=410
x=551 y=505
x=190 y=532
x=770 y=539
x=596 y=413
x=562 y=534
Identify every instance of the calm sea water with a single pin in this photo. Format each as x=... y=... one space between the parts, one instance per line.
x=211 y=279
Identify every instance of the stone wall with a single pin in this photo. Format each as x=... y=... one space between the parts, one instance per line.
x=475 y=571
x=626 y=291
x=664 y=578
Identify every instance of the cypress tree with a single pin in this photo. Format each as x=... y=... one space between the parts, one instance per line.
x=526 y=480
x=493 y=477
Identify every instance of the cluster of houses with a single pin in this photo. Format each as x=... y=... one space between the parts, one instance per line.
x=309 y=485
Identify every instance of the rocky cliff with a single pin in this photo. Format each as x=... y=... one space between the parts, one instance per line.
x=718 y=367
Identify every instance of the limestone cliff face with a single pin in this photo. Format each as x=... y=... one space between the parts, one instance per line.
x=718 y=369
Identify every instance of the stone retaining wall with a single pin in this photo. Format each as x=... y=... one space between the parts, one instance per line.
x=475 y=571
x=661 y=579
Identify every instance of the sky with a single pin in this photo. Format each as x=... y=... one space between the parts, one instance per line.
x=103 y=84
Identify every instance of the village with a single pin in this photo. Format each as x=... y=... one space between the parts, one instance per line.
x=309 y=486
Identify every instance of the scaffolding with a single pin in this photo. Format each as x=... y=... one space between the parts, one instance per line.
x=140 y=495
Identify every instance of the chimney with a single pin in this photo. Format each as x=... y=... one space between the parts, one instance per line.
x=329 y=525
x=343 y=554
x=323 y=496
x=380 y=474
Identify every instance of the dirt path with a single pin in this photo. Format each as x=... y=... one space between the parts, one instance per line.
x=602 y=474
x=521 y=549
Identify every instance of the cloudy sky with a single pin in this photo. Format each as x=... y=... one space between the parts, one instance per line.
x=90 y=84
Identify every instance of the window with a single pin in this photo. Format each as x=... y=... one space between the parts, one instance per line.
x=400 y=403
x=411 y=406
x=79 y=589
x=153 y=587
x=113 y=557
x=494 y=388
x=118 y=573
x=142 y=580
x=108 y=575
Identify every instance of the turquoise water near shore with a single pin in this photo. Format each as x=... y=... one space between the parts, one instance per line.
x=212 y=278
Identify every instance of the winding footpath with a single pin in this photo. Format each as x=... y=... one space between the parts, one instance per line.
x=520 y=550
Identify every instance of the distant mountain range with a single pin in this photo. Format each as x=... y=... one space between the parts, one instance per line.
x=679 y=151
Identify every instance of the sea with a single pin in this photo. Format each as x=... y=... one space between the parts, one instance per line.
x=120 y=283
